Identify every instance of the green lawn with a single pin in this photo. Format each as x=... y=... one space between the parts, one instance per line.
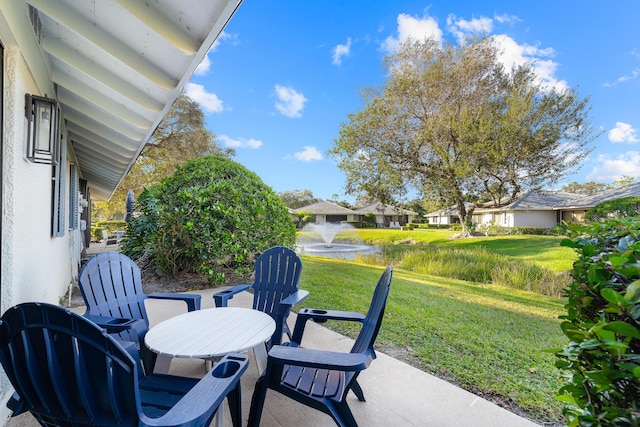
x=486 y=338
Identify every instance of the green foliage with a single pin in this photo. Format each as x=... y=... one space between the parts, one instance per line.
x=618 y=208
x=456 y=125
x=497 y=230
x=305 y=217
x=295 y=199
x=558 y=230
x=180 y=136
x=143 y=228
x=214 y=217
x=603 y=326
x=477 y=264
x=370 y=218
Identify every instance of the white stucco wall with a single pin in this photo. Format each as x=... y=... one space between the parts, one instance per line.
x=35 y=265
x=543 y=219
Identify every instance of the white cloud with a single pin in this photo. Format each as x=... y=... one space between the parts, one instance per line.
x=239 y=142
x=462 y=29
x=611 y=169
x=623 y=132
x=204 y=67
x=309 y=154
x=634 y=75
x=209 y=101
x=414 y=28
x=514 y=54
x=290 y=102
x=341 y=50
x=506 y=19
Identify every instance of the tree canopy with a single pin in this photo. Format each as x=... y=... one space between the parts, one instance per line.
x=180 y=137
x=452 y=123
x=297 y=198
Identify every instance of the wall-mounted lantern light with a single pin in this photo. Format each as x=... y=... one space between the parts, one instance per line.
x=43 y=134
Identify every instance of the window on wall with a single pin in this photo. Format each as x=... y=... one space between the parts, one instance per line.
x=73 y=197
x=58 y=182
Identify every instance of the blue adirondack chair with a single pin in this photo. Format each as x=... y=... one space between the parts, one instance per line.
x=111 y=286
x=275 y=288
x=67 y=371
x=322 y=379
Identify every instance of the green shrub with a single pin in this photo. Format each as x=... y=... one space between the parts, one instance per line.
x=304 y=218
x=558 y=230
x=143 y=228
x=603 y=326
x=618 y=208
x=370 y=218
x=499 y=230
x=214 y=217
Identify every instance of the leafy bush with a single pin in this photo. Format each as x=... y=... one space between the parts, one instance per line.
x=213 y=217
x=304 y=218
x=618 y=208
x=499 y=230
x=558 y=230
x=603 y=325
x=143 y=228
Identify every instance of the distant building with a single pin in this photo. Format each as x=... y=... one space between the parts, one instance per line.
x=386 y=215
x=542 y=208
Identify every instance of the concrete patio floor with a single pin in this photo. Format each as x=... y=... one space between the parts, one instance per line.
x=397 y=394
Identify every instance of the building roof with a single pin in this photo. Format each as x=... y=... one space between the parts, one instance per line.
x=541 y=200
x=379 y=208
x=116 y=67
x=544 y=200
x=325 y=208
x=631 y=190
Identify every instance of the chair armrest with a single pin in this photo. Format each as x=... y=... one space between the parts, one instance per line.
x=222 y=298
x=201 y=402
x=118 y=324
x=192 y=300
x=321 y=359
x=321 y=316
x=294 y=299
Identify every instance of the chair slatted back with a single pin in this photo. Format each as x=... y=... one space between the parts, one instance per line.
x=277 y=274
x=67 y=370
x=373 y=319
x=111 y=285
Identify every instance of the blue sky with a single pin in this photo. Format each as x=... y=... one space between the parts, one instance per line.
x=285 y=74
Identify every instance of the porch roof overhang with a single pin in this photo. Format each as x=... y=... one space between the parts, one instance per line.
x=116 y=67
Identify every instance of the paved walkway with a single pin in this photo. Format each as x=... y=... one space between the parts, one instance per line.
x=397 y=394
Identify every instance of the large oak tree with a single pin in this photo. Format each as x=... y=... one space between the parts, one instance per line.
x=180 y=137
x=454 y=124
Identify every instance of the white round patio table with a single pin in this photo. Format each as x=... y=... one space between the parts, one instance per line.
x=211 y=333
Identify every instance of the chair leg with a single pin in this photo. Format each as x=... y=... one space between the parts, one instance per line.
x=342 y=415
x=357 y=390
x=235 y=405
x=148 y=359
x=257 y=402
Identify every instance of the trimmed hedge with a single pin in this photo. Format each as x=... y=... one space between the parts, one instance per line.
x=602 y=323
x=212 y=217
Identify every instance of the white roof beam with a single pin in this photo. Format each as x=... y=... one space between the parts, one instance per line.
x=64 y=53
x=105 y=41
x=162 y=25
